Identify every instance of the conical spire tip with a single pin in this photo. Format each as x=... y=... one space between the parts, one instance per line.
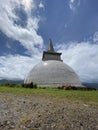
x=50 y=48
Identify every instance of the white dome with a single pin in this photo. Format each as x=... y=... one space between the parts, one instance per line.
x=53 y=73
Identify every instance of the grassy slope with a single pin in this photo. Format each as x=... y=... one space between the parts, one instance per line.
x=72 y=95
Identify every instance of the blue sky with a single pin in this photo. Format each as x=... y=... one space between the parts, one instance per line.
x=27 y=25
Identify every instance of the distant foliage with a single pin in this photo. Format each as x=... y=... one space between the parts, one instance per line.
x=9 y=85
x=29 y=85
x=69 y=87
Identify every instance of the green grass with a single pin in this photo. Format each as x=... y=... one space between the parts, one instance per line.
x=72 y=95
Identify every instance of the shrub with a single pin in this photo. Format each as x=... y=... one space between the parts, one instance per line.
x=29 y=85
x=9 y=84
x=35 y=85
x=69 y=87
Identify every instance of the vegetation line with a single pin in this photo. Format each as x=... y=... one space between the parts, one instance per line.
x=73 y=95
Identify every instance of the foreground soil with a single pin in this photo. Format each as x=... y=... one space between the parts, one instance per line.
x=34 y=112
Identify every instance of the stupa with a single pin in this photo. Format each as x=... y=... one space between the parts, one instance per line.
x=52 y=71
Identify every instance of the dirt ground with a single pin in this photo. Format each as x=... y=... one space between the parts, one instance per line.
x=30 y=112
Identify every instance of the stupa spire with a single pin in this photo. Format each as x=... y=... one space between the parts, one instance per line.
x=50 y=48
x=51 y=54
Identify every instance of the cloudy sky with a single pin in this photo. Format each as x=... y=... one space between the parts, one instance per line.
x=27 y=25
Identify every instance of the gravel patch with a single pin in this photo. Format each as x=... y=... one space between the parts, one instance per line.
x=29 y=112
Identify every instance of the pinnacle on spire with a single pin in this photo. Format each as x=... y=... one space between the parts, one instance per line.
x=50 y=54
x=50 y=48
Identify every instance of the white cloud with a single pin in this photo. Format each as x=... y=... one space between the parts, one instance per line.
x=8 y=45
x=17 y=67
x=27 y=36
x=73 y=4
x=41 y=5
x=83 y=58
x=28 y=4
x=95 y=37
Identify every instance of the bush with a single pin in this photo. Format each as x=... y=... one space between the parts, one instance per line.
x=35 y=85
x=9 y=84
x=69 y=87
x=29 y=85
